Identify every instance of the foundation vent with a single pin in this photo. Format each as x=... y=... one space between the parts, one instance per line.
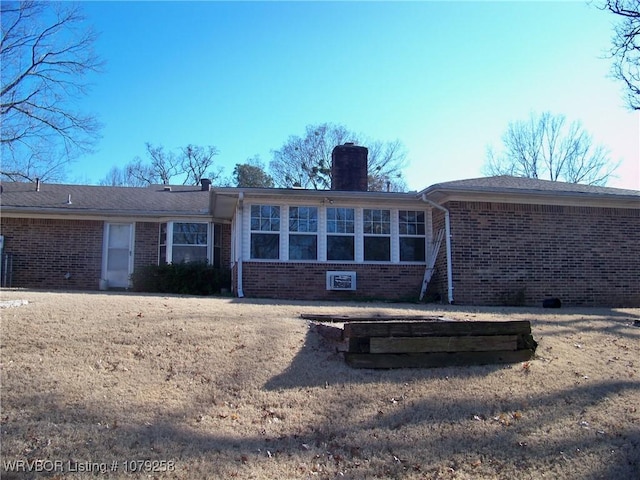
x=341 y=280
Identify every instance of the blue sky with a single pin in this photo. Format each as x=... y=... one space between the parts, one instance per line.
x=445 y=78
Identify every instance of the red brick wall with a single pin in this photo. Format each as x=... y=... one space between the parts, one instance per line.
x=307 y=281
x=146 y=244
x=437 y=290
x=517 y=253
x=45 y=250
x=225 y=255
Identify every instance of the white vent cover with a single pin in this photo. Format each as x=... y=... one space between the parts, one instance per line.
x=341 y=280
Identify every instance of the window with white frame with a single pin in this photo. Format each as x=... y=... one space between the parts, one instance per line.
x=340 y=234
x=376 y=227
x=265 y=232
x=411 y=227
x=184 y=242
x=303 y=233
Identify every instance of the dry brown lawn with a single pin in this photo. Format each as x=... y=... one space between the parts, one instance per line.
x=240 y=388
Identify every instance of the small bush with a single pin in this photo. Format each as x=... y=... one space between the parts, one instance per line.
x=196 y=278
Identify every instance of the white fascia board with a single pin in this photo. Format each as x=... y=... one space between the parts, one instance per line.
x=570 y=199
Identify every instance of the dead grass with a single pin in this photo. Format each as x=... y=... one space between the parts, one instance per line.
x=230 y=388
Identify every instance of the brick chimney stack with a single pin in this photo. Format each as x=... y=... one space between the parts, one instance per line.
x=349 y=168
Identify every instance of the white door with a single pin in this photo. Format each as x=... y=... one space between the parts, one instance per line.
x=118 y=263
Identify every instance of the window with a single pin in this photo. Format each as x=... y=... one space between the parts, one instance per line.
x=189 y=242
x=340 y=234
x=182 y=242
x=377 y=234
x=411 y=225
x=303 y=236
x=265 y=232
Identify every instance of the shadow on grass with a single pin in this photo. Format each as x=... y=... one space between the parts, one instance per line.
x=367 y=448
x=407 y=436
x=306 y=369
x=319 y=364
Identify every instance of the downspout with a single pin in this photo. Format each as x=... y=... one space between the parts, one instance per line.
x=239 y=242
x=447 y=234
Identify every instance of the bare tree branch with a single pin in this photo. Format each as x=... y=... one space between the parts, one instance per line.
x=189 y=166
x=46 y=52
x=546 y=147
x=196 y=163
x=306 y=161
x=625 y=49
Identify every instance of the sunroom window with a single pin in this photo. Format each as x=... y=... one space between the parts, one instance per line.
x=340 y=234
x=303 y=236
x=411 y=226
x=376 y=225
x=265 y=232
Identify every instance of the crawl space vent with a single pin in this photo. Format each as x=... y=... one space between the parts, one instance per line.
x=341 y=280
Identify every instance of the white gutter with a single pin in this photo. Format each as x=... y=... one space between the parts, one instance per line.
x=239 y=242
x=447 y=227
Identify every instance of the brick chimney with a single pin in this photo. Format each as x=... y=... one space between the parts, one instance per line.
x=349 y=168
x=205 y=184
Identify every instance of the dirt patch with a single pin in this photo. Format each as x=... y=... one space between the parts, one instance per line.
x=186 y=387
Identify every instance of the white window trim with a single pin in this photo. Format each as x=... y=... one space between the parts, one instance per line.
x=393 y=214
x=289 y=233
x=322 y=231
x=169 y=241
x=322 y=234
x=283 y=244
x=427 y=236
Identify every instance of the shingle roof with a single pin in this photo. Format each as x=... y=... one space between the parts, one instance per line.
x=509 y=184
x=88 y=199
x=154 y=201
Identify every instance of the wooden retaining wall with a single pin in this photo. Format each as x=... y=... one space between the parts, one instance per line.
x=376 y=343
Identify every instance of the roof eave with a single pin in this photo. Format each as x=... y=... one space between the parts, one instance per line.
x=224 y=200
x=302 y=192
x=512 y=195
x=84 y=214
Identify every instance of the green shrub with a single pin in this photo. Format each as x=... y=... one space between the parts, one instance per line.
x=196 y=278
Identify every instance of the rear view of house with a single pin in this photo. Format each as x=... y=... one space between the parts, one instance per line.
x=503 y=240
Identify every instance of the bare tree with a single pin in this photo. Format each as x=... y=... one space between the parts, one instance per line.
x=625 y=50
x=115 y=178
x=386 y=161
x=546 y=147
x=197 y=162
x=189 y=166
x=306 y=161
x=160 y=168
x=46 y=50
x=163 y=167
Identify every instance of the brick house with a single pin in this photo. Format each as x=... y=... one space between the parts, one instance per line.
x=506 y=240
x=518 y=241
x=94 y=237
